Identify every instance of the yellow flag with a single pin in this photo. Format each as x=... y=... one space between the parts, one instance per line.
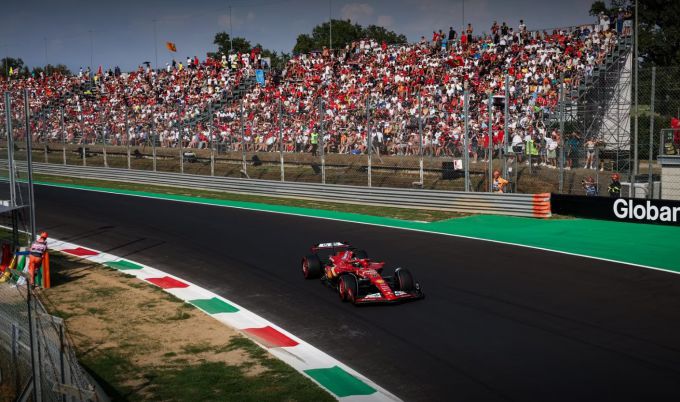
x=11 y=71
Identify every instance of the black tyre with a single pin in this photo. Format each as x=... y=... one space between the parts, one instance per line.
x=403 y=280
x=360 y=254
x=311 y=267
x=348 y=287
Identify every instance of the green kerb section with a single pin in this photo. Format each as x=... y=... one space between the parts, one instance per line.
x=340 y=382
x=649 y=245
x=214 y=306
x=123 y=265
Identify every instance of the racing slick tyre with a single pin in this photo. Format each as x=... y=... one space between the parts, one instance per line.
x=403 y=280
x=361 y=254
x=348 y=288
x=311 y=267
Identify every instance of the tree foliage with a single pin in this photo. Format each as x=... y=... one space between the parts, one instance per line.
x=344 y=32
x=659 y=39
x=17 y=65
x=242 y=45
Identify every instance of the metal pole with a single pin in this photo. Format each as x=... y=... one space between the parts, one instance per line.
x=369 y=141
x=637 y=111
x=63 y=134
x=106 y=161
x=45 y=134
x=466 y=149
x=211 y=133
x=155 y=44
x=29 y=163
x=330 y=24
x=180 y=138
x=420 y=142
x=506 y=115
x=281 y=140
x=61 y=357
x=127 y=137
x=650 y=185
x=35 y=367
x=231 y=33
x=153 y=142
x=561 y=145
x=490 y=146
x=83 y=138
x=243 y=140
x=320 y=144
x=91 y=55
x=10 y=152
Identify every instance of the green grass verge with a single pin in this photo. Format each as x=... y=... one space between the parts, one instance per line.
x=182 y=372
x=397 y=213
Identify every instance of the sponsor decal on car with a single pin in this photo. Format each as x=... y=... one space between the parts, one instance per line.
x=373 y=296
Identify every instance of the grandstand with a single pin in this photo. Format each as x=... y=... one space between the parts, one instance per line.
x=409 y=97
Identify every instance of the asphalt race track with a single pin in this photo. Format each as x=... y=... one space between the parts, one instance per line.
x=498 y=323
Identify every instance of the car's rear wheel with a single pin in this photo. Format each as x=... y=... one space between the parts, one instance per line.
x=403 y=280
x=311 y=267
x=361 y=254
x=348 y=288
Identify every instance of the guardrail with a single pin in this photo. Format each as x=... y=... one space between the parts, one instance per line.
x=528 y=205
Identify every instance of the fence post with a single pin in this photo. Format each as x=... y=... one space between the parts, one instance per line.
x=211 y=133
x=506 y=114
x=321 y=143
x=62 y=374
x=106 y=162
x=180 y=138
x=127 y=137
x=33 y=340
x=83 y=138
x=63 y=134
x=420 y=141
x=466 y=145
x=650 y=185
x=561 y=145
x=15 y=357
x=10 y=152
x=153 y=142
x=369 y=142
x=490 y=146
x=29 y=164
x=281 y=140
x=45 y=134
x=243 y=140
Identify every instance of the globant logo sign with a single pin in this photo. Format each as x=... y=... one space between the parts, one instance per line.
x=628 y=209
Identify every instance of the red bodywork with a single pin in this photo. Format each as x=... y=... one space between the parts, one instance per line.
x=368 y=272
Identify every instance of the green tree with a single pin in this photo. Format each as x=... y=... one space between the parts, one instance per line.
x=240 y=45
x=50 y=69
x=598 y=7
x=17 y=65
x=344 y=33
x=659 y=31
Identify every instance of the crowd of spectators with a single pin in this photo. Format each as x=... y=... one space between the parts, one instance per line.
x=321 y=99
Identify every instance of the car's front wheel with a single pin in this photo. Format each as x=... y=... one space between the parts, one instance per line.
x=348 y=287
x=311 y=267
x=403 y=280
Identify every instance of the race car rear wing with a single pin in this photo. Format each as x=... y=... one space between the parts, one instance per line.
x=331 y=246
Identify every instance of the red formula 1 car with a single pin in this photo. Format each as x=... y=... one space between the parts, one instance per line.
x=357 y=278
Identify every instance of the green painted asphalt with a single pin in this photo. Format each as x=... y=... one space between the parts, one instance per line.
x=652 y=246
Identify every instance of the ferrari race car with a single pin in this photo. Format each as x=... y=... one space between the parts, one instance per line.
x=357 y=278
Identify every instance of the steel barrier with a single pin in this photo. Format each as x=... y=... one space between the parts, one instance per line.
x=528 y=205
